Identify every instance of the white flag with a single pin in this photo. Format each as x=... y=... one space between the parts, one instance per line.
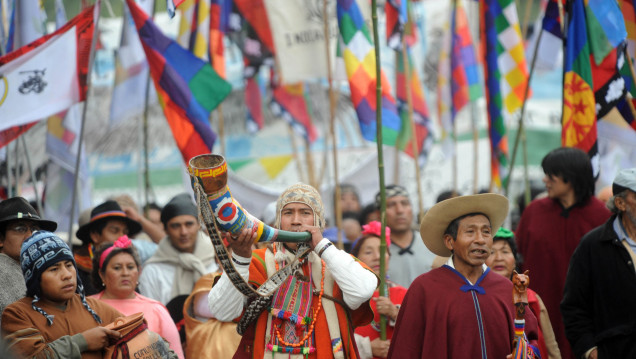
x=41 y=82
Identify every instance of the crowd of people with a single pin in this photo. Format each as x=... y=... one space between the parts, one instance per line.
x=447 y=292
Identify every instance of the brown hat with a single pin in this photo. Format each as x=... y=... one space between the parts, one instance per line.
x=437 y=219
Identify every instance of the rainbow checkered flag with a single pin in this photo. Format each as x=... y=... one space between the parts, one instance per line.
x=359 y=58
x=505 y=75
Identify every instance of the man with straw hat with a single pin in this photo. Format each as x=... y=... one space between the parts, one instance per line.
x=460 y=310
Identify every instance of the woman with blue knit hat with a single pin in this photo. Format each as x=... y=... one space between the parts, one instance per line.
x=55 y=319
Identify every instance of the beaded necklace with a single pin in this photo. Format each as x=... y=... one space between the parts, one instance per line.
x=294 y=348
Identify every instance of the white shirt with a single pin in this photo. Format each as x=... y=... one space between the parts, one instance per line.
x=156 y=279
x=357 y=284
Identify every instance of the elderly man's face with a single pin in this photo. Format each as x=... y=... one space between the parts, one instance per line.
x=627 y=206
x=473 y=243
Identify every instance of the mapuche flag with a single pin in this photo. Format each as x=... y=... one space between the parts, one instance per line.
x=46 y=76
x=188 y=88
x=579 y=105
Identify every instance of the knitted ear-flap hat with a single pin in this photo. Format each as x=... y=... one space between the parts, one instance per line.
x=302 y=193
x=39 y=252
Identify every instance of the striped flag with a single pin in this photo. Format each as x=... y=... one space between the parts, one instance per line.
x=423 y=138
x=359 y=58
x=396 y=18
x=219 y=18
x=445 y=110
x=188 y=87
x=254 y=104
x=465 y=85
x=290 y=103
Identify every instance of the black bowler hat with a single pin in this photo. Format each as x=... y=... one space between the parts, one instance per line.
x=17 y=208
x=104 y=212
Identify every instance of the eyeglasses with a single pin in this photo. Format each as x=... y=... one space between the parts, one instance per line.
x=23 y=228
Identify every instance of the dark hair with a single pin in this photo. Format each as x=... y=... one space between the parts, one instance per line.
x=95 y=278
x=574 y=167
x=446 y=195
x=355 y=250
x=366 y=211
x=98 y=226
x=453 y=227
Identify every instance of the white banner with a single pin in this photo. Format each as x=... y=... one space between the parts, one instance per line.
x=299 y=37
x=40 y=83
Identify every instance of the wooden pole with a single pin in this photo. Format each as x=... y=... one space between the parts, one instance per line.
x=526 y=19
x=378 y=117
x=81 y=135
x=454 y=170
x=219 y=111
x=520 y=128
x=473 y=116
x=310 y=163
x=9 y=182
x=409 y=102
x=38 y=200
x=145 y=134
x=292 y=139
x=332 y=128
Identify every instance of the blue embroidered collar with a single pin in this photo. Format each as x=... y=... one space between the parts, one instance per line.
x=468 y=287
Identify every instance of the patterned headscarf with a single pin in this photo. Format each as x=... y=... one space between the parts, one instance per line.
x=391 y=190
x=39 y=252
x=302 y=193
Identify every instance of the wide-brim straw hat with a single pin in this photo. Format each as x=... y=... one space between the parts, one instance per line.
x=437 y=219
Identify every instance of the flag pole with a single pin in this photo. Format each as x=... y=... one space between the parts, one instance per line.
x=332 y=128
x=38 y=200
x=145 y=134
x=378 y=118
x=521 y=130
x=473 y=115
x=310 y=163
x=409 y=102
x=454 y=169
x=301 y=173
x=219 y=110
x=91 y=59
x=9 y=186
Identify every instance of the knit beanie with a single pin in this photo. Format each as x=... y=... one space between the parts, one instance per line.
x=39 y=252
x=302 y=193
x=179 y=205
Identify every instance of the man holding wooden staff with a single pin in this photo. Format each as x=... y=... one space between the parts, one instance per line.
x=460 y=310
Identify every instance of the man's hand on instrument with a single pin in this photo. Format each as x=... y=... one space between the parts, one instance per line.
x=242 y=242
x=316 y=234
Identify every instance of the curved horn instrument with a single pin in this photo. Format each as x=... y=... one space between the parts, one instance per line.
x=210 y=171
